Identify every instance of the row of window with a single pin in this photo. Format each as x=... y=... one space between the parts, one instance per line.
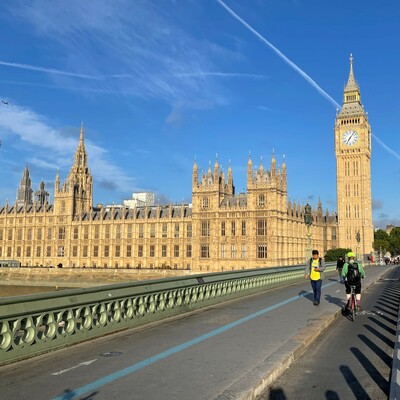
x=351 y=234
x=352 y=97
x=261 y=228
x=117 y=233
x=356 y=191
x=106 y=251
x=356 y=211
x=260 y=201
x=60 y=232
x=30 y=220
x=355 y=169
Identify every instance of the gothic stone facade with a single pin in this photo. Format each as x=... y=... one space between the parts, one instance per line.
x=219 y=231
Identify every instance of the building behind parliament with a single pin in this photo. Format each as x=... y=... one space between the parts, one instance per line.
x=218 y=231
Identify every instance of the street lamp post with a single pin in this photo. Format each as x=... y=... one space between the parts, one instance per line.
x=308 y=220
x=358 y=238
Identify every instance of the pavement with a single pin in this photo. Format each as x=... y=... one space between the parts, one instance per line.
x=234 y=350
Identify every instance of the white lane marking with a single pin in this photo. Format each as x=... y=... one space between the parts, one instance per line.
x=337 y=291
x=75 y=366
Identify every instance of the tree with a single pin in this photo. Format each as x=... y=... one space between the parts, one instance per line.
x=381 y=234
x=381 y=244
x=382 y=240
x=395 y=232
x=334 y=254
x=394 y=240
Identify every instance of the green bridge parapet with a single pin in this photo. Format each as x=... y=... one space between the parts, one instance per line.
x=34 y=324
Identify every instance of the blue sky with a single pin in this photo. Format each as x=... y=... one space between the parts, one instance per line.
x=160 y=83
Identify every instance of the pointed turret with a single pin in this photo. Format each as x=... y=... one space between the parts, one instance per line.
x=216 y=168
x=319 y=210
x=261 y=169
x=78 y=187
x=273 y=164
x=284 y=166
x=57 y=182
x=351 y=96
x=231 y=188
x=249 y=171
x=195 y=174
x=230 y=180
x=41 y=194
x=351 y=85
x=25 y=192
x=80 y=160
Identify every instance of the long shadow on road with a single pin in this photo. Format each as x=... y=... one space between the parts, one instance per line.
x=350 y=359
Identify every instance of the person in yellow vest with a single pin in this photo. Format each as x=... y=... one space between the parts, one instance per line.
x=314 y=270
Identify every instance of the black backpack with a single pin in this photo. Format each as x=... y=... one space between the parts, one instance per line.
x=353 y=273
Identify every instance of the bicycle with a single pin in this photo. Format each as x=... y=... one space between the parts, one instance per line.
x=353 y=302
x=351 y=308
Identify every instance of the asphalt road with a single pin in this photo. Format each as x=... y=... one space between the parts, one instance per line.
x=350 y=360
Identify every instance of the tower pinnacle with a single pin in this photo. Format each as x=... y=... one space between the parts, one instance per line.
x=351 y=85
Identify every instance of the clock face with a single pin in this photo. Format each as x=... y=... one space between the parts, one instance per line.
x=350 y=137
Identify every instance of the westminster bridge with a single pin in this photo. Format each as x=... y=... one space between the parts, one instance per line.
x=213 y=336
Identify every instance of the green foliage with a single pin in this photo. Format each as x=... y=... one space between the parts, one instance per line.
x=395 y=232
x=394 y=245
x=381 y=245
x=387 y=243
x=333 y=254
x=381 y=235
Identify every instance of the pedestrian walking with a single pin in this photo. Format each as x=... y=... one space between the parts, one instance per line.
x=314 y=270
x=339 y=267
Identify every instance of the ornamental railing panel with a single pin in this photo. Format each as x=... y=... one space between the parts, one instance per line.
x=34 y=324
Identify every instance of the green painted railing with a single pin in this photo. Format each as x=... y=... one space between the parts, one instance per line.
x=35 y=324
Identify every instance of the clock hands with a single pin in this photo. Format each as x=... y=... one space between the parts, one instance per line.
x=349 y=139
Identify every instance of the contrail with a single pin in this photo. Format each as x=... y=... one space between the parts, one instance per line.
x=281 y=55
x=48 y=70
x=300 y=71
x=222 y=75
x=387 y=148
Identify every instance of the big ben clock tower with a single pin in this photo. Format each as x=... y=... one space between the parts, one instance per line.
x=353 y=171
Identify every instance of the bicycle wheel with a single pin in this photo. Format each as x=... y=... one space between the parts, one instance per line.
x=353 y=306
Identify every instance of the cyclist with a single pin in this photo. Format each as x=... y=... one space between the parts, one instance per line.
x=352 y=272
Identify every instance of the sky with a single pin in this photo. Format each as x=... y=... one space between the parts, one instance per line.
x=160 y=84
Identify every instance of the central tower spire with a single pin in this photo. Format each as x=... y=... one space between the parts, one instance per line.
x=353 y=171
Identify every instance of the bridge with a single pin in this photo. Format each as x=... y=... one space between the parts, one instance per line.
x=221 y=348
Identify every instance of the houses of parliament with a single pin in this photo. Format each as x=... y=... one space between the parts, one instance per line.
x=218 y=231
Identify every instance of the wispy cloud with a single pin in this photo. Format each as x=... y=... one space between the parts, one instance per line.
x=53 y=148
x=264 y=108
x=144 y=53
x=298 y=70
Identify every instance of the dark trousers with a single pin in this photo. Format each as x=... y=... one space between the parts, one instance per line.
x=316 y=287
x=341 y=279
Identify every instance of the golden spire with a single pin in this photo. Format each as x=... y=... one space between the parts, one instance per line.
x=351 y=85
x=81 y=133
